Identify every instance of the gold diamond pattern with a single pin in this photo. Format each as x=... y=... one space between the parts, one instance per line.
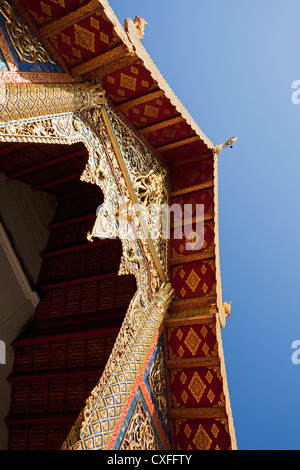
x=192 y=175
x=193 y=280
x=46 y=8
x=197 y=387
x=179 y=334
x=204 y=288
x=202 y=439
x=183 y=377
x=151 y=111
x=84 y=38
x=203 y=269
x=209 y=376
x=187 y=430
x=211 y=396
x=181 y=273
x=192 y=341
x=182 y=292
x=204 y=331
x=184 y=396
x=215 y=430
x=128 y=82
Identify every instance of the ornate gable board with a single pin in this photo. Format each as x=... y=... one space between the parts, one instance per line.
x=147 y=308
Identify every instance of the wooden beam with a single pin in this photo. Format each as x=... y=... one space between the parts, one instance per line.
x=192 y=303
x=192 y=220
x=57 y=25
x=161 y=125
x=196 y=320
x=190 y=189
x=205 y=361
x=205 y=155
x=57 y=374
x=74 y=220
x=198 y=413
x=12 y=148
x=68 y=327
x=80 y=280
x=47 y=164
x=99 y=61
x=111 y=67
x=72 y=249
x=50 y=184
x=191 y=258
x=178 y=143
x=42 y=418
x=125 y=107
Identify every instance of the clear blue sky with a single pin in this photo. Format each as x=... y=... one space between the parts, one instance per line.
x=232 y=64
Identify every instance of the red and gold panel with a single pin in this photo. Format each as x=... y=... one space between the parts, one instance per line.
x=187 y=243
x=192 y=387
x=195 y=279
x=186 y=151
x=143 y=114
x=44 y=11
x=129 y=83
x=191 y=174
x=203 y=196
x=188 y=341
x=207 y=434
x=85 y=39
x=165 y=135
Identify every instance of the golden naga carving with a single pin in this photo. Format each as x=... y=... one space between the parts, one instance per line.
x=152 y=299
x=23 y=101
x=27 y=47
x=96 y=423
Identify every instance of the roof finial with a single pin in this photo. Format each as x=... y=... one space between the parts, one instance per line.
x=229 y=142
x=139 y=26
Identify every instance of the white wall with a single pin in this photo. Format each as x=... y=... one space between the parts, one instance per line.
x=24 y=216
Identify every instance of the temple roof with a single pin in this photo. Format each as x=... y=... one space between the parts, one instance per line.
x=86 y=42
x=89 y=43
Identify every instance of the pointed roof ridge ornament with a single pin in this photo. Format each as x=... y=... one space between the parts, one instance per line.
x=137 y=27
x=227 y=143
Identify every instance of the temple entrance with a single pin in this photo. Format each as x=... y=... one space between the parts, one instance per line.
x=60 y=355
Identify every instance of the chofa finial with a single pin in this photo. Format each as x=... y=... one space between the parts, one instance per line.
x=228 y=142
x=137 y=26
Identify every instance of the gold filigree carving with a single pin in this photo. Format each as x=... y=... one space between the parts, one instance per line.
x=139 y=434
x=156 y=380
x=27 y=47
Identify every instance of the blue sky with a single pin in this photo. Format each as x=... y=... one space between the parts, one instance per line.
x=232 y=65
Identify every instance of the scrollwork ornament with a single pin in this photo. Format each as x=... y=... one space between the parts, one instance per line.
x=27 y=47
